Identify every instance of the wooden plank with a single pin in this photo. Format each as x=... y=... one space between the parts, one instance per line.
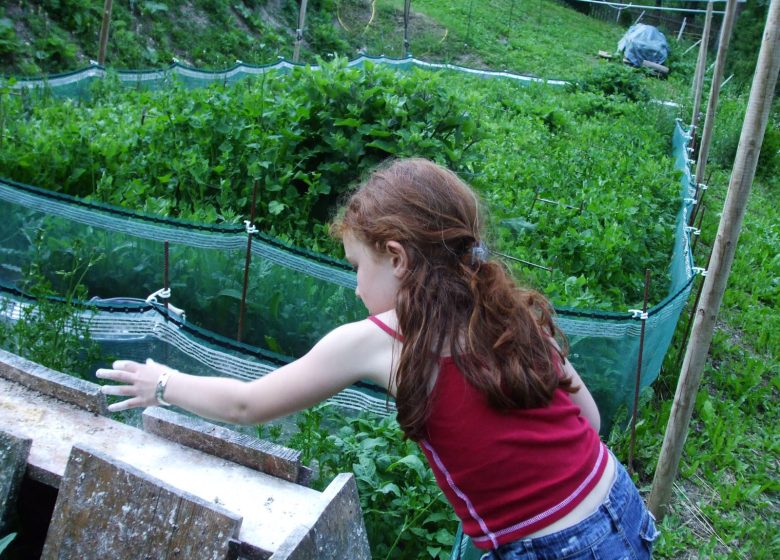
x=223 y=442
x=339 y=531
x=271 y=507
x=109 y=509
x=657 y=68
x=64 y=387
x=13 y=462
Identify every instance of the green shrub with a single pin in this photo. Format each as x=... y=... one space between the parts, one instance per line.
x=615 y=80
x=303 y=137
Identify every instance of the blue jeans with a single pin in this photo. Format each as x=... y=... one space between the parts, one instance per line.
x=621 y=529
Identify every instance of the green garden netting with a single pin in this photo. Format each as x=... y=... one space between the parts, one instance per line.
x=293 y=296
x=77 y=84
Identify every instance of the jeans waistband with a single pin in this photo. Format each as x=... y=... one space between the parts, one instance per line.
x=590 y=530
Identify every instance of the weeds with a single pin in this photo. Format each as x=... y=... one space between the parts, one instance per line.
x=52 y=330
x=406 y=515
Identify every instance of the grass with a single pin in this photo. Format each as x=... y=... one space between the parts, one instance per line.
x=726 y=502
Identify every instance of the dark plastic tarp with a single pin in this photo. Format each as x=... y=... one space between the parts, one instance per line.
x=644 y=42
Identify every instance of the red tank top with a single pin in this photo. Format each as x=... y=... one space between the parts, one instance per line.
x=507 y=474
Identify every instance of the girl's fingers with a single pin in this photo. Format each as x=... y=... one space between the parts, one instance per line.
x=126 y=365
x=112 y=374
x=125 y=405
x=119 y=390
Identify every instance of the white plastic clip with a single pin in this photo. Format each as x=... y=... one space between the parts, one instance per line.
x=250 y=227
x=692 y=230
x=690 y=201
x=699 y=270
x=638 y=314
x=703 y=187
x=164 y=293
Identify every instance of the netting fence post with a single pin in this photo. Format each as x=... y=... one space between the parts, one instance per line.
x=468 y=28
x=407 y=9
x=250 y=230
x=687 y=331
x=299 y=31
x=104 y=31
x=698 y=77
x=682 y=28
x=697 y=231
x=720 y=64
x=165 y=277
x=635 y=413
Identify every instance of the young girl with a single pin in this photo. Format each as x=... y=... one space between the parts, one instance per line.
x=506 y=423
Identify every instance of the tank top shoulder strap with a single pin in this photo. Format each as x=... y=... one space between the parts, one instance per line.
x=382 y=325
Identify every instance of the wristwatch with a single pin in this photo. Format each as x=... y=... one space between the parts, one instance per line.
x=159 y=391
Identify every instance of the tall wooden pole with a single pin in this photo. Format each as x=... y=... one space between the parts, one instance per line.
x=701 y=63
x=104 y=32
x=299 y=31
x=407 y=10
x=717 y=76
x=753 y=128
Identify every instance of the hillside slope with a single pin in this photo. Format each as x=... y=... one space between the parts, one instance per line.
x=52 y=36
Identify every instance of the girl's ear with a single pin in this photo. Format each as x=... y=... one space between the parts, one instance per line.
x=399 y=258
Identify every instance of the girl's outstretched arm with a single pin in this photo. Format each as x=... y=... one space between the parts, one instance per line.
x=347 y=354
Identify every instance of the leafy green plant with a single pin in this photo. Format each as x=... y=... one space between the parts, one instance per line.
x=406 y=515
x=50 y=330
x=613 y=80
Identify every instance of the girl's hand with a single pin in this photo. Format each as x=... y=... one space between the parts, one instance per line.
x=137 y=381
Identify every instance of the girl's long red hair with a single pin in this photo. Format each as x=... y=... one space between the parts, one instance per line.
x=500 y=335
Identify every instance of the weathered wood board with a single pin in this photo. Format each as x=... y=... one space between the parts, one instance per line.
x=13 y=463
x=108 y=509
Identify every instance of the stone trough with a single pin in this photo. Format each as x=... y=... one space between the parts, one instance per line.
x=178 y=488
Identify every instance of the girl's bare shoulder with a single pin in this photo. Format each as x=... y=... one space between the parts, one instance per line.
x=364 y=346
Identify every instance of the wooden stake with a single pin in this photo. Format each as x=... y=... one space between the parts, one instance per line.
x=682 y=27
x=698 y=79
x=407 y=10
x=687 y=331
x=165 y=275
x=247 y=262
x=724 y=248
x=712 y=102
x=299 y=31
x=104 y=32
x=698 y=229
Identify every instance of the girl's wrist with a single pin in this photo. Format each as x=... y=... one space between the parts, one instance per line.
x=159 y=390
